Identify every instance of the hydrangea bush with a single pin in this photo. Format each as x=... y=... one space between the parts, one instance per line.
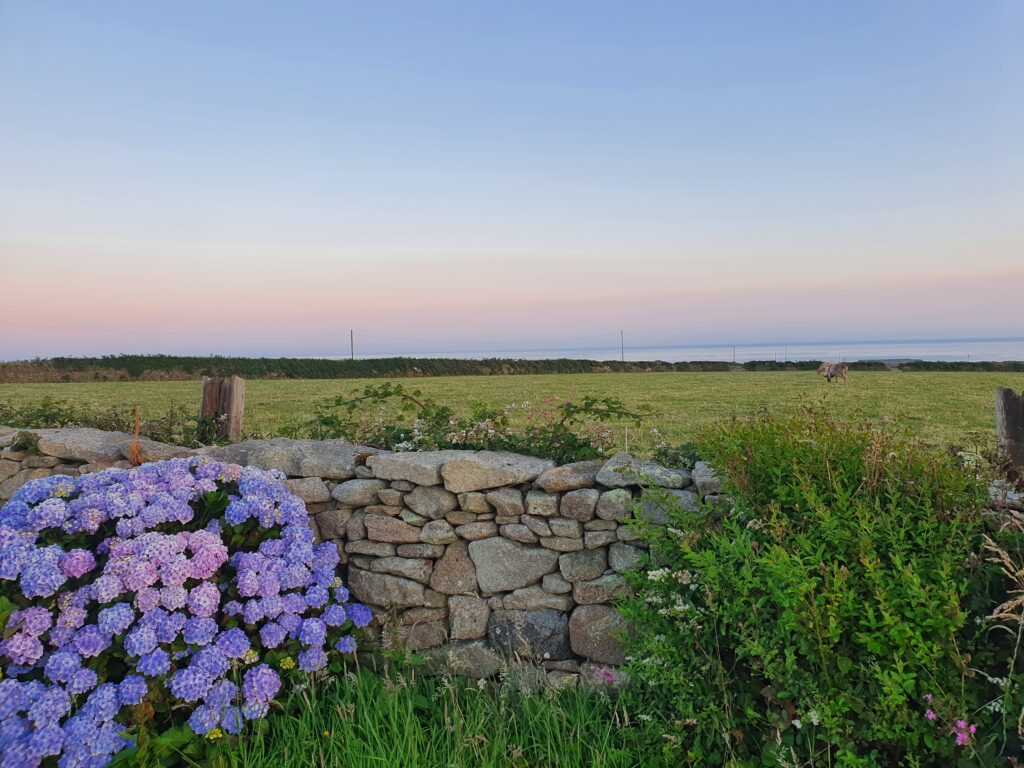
x=137 y=600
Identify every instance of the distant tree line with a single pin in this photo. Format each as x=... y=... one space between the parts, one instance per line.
x=174 y=368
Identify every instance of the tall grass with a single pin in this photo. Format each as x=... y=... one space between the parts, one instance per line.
x=405 y=719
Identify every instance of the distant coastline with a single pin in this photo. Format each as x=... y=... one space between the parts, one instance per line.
x=991 y=349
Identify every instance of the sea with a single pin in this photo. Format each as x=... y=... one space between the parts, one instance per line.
x=970 y=350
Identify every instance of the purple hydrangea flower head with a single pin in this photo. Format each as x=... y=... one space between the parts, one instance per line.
x=317 y=596
x=102 y=703
x=50 y=707
x=233 y=643
x=252 y=612
x=323 y=577
x=46 y=741
x=168 y=628
x=147 y=599
x=271 y=607
x=248 y=583
x=109 y=740
x=22 y=648
x=204 y=599
x=42 y=577
x=34 y=621
x=90 y=642
x=82 y=681
x=326 y=555
x=334 y=615
x=72 y=617
x=312 y=659
x=16 y=754
x=108 y=588
x=346 y=644
x=204 y=719
x=116 y=619
x=62 y=665
x=260 y=684
x=312 y=632
x=12 y=698
x=269 y=585
x=49 y=513
x=212 y=661
x=199 y=630
x=140 y=574
x=173 y=598
x=254 y=710
x=140 y=641
x=293 y=603
x=131 y=690
x=272 y=634
x=190 y=684
x=290 y=622
x=222 y=694
x=154 y=663
x=231 y=721
x=360 y=615
x=237 y=512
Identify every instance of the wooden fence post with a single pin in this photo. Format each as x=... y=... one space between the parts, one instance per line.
x=1010 y=424
x=224 y=403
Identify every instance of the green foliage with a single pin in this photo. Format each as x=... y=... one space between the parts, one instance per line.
x=397 y=717
x=683 y=455
x=177 y=425
x=1012 y=366
x=809 y=365
x=389 y=416
x=168 y=367
x=809 y=626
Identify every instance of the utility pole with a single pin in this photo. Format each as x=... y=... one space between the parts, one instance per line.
x=622 y=347
x=352 y=342
x=734 y=354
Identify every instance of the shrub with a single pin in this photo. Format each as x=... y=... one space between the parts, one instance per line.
x=178 y=426
x=388 y=416
x=835 y=617
x=136 y=601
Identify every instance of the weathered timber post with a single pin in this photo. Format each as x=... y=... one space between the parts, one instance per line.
x=224 y=403
x=1010 y=424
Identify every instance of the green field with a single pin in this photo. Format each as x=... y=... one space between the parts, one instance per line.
x=938 y=407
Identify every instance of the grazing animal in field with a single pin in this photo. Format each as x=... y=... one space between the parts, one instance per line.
x=836 y=371
x=823 y=369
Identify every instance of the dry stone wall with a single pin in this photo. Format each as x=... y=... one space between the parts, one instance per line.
x=467 y=556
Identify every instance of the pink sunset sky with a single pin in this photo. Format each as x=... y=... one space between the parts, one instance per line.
x=196 y=181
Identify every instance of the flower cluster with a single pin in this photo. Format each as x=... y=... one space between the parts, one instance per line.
x=188 y=576
x=961 y=731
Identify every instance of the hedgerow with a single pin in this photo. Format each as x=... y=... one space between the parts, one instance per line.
x=843 y=613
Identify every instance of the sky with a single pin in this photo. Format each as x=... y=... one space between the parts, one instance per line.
x=260 y=178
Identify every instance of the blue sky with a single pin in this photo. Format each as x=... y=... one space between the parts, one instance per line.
x=249 y=178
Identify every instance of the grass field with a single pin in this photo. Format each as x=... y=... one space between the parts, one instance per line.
x=938 y=407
